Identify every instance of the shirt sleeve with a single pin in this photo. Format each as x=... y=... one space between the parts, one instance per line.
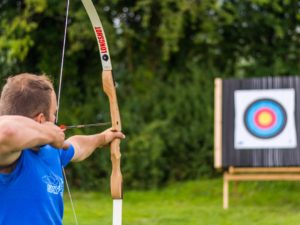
x=66 y=155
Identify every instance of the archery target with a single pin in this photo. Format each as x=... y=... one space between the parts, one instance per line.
x=265 y=119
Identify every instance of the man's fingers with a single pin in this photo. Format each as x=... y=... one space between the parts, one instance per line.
x=119 y=135
x=109 y=135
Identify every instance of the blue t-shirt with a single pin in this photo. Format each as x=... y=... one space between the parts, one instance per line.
x=32 y=194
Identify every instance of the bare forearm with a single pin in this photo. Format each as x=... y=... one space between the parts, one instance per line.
x=86 y=145
x=17 y=133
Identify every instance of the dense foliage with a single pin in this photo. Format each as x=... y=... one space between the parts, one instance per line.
x=165 y=55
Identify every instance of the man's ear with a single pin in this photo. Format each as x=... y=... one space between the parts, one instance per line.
x=40 y=118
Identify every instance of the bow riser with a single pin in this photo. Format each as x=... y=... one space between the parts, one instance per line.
x=116 y=176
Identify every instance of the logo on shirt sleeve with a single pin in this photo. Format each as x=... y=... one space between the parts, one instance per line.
x=54 y=183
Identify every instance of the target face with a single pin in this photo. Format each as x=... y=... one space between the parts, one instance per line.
x=265 y=118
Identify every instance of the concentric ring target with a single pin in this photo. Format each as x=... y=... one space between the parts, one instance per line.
x=265 y=118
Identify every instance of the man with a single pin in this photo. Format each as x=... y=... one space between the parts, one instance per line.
x=33 y=151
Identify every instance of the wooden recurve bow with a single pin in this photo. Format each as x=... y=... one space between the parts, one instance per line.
x=110 y=91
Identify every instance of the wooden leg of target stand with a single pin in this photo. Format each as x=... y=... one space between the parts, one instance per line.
x=235 y=187
x=225 y=191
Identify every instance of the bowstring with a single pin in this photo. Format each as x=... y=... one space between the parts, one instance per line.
x=58 y=102
x=62 y=59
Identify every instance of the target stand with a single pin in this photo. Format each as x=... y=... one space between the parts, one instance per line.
x=255 y=136
x=257 y=174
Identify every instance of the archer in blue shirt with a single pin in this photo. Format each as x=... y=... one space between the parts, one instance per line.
x=31 y=178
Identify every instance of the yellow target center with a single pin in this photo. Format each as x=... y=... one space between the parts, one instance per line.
x=265 y=118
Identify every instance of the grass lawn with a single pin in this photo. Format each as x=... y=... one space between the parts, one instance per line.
x=194 y=203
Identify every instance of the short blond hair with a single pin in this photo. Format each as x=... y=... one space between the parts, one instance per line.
x=26 y=95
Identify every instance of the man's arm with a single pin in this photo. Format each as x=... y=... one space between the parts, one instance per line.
x=85 y=145
x=18 y=133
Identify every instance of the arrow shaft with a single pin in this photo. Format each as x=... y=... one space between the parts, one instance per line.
x=85 y=125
